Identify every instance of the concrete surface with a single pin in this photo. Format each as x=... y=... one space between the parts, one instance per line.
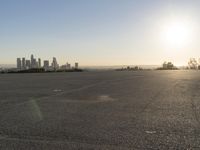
x=100 y=110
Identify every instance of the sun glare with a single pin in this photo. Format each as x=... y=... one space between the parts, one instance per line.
x=177 y=34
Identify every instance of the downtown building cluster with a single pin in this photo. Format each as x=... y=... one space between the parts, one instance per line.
x=33 y=63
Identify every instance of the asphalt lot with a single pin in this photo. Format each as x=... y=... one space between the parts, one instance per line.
x=100 y=110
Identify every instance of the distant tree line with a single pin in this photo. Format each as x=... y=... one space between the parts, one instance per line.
x=193 y=64
x=40 y=70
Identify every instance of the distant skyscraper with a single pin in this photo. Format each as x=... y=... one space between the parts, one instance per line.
x=36 y=64
x=23 y=63
x=39 y=62
x=19 y=63
x=32 y=61
x=28 y=64
x=76 y=65
x=54 y=64
x=68 y=66
x=46 y=65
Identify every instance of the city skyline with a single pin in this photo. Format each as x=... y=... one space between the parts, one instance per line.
x=101 y=33
x=36 y=63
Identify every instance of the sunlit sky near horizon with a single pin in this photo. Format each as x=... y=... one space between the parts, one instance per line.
x=100 y=32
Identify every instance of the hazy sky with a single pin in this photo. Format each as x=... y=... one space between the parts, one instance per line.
x=98 y=32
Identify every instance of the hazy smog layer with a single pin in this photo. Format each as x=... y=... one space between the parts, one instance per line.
x=100 y=110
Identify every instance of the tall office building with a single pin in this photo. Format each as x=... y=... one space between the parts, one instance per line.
x=76 y=65
x=68 y=66
x=28 y=64
x=32 y=61
x=46 y=65
x=23 y=63
x=36 y=63
x=19 y=63
x=54 y=64
x=39 y=62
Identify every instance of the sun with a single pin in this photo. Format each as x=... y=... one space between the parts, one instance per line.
x=176 y=34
